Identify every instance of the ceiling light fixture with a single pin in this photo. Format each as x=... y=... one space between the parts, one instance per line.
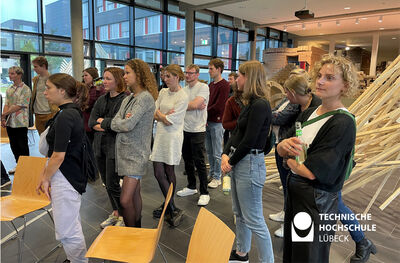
x=347 y=8
x=381 y=28
x=337 y=22
x=347 y=48
x=285 y=28
x=357 y=21
x=394 y=38
x=380 y=19
x=364 y=18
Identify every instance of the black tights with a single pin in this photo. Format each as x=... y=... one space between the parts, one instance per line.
x=131 y=202
x=165 y=175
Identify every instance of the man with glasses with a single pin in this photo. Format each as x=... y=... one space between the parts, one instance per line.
x=194 y=132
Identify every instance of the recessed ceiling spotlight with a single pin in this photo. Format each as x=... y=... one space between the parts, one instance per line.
x=347 y=48
x=337 y=22
x=381 y=28
x=364 y=18
x=380 y=19
x=394 y=38
x=347 y=8
x=321 y=34
x=357 y=21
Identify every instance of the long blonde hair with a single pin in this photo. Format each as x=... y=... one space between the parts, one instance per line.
x=255 y=86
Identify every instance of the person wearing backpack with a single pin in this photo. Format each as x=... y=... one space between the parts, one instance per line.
x=328 y=133
x=243 y=156
x=63 y=172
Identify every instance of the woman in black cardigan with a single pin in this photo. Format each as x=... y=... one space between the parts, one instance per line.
x=313 y=185
x=102 y=113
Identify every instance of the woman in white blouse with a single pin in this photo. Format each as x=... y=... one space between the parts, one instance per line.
x=170 y=112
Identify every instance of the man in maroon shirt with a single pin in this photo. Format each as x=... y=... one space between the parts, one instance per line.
x=219 y=91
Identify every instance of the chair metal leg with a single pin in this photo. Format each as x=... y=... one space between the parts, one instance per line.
x=48 y=212
x=162 y=254
x=48 y=254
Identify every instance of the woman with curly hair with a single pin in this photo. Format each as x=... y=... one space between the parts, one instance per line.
x=103 y=112
x=133 y=124
x=313 y=186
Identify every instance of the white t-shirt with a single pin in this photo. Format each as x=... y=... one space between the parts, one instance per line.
x=310 y=131
x=195 y=120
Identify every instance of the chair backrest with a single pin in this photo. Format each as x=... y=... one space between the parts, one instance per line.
x=211 y=239
x=26 y=178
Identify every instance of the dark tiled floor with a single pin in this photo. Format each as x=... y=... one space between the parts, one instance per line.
x=174 y=242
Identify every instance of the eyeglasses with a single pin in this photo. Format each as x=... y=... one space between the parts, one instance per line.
x=190 y=73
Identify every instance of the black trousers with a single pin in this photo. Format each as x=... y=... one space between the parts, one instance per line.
x=18 y=141
x=109 y=176
x=193 y=153
x=4 y=173
x=303 y=197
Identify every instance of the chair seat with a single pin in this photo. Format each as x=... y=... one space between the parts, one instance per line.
x=126 y=244
x=12 y=207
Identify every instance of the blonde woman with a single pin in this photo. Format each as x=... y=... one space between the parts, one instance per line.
x=133 y=124
x=313 y=187
x=243 y=156
x=170 y=112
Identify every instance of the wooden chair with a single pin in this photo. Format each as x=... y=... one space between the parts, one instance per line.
x=4 y=136
x=211 y=239
x=24 y=199
x=129 y=244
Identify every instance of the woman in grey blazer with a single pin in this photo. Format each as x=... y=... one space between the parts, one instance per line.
x=133 y=123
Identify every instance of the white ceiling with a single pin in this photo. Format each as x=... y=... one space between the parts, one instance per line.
x=279 y=14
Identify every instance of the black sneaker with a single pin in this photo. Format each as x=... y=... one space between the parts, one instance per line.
x=176 y=218
x=66 y=261
x=158 y=211
x=5 y=181
x=236 y=258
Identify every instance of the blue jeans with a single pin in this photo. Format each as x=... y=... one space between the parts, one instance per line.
x=248 y=177
x=214 y=137
x=357 y=236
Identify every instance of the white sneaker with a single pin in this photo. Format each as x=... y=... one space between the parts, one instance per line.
x=12 y=171
x=214 y=183
x=186 y=192
x=279 y=232
x=111 y=220
x=278 y=217
x=203 y=200
x=120 y=221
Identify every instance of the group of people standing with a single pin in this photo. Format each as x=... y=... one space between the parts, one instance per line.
x=118 y=117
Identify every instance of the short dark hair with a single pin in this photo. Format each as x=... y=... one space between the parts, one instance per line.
x=217 y=63
x=40 y=60
x=233 y=74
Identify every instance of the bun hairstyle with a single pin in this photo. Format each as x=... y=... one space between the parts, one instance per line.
x=298 y=84
x=175 y=70
x=75 y=90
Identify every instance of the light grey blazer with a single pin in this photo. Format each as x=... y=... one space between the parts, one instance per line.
x=132 y=144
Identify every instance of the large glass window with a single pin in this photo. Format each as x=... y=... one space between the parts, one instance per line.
x=202 y=39
x=148 y=55
x=57 y=17
x=156 y=4
x=260 y=46
x=20 y=42
x=175 y=58
x=112 y=51
x=225 y=40
x=51 y=46
x=243 y=46
x=176 y=33
x=19 y=15
x=85 y=19
x=112 y=23
x=148 y=28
